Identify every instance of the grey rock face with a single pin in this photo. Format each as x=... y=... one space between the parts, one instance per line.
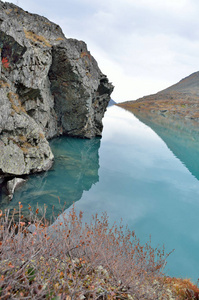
x=81 y=91
x=23 y=146
x=49 y=85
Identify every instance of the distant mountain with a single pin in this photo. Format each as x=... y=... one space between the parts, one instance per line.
x=111 y=102
x=189 y=84
x=179 y=100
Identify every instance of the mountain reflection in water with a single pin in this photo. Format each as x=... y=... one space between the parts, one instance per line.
x=180 y=135
x=75 y=170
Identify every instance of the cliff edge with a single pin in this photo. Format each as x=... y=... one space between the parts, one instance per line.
x=49 y=85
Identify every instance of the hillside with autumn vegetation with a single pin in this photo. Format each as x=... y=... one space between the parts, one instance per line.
x=181 y=100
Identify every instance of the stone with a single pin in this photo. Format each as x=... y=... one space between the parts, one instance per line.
x=23 y=146
x=49 y=86
x=13 y=184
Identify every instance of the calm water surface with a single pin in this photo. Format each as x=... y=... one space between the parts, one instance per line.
x=131 y=174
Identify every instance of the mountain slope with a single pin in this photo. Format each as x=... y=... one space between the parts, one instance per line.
x=179 y=100
x=189 y=84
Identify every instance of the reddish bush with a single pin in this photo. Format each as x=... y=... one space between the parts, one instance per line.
x=184 y=289
x=5 y=62
x=71 y=260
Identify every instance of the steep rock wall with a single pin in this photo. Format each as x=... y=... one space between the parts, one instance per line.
x=49 y=85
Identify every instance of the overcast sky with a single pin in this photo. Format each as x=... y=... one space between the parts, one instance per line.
x=142 y=46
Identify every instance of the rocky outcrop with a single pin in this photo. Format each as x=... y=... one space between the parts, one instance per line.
x=23 y=146
x=49 y=85
x=80 y=90
x=12 y=185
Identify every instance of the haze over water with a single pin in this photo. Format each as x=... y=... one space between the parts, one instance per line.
x=131 y=174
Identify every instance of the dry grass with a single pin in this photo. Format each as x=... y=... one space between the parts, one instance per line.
x=25 y=147
x=37 y=38
x=4 y=84
x=8 y=11
x=86 y=54
x=41 y=135
x=183 y=288
x=22 y=138
x=22 y=143
x=15 y=102
x=187 y=107
x=60 y=39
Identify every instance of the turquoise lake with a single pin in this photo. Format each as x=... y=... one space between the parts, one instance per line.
x=133 y=174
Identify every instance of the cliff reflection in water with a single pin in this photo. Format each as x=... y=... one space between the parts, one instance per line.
x=180 y=135
x=75 y=170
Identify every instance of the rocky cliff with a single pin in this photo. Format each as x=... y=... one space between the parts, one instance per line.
x=49 y=85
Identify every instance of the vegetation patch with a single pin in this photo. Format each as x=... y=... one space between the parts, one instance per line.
x=72 y=260
x=60 y=39
x=176 y=105
x=25 y=146
x=15 y=102
x=8 y=11
x=183 y=288
x=5 y=62
x=21 y=142
x=86 y=54
x=37 y=38
x=41 y=135
x=4 y=84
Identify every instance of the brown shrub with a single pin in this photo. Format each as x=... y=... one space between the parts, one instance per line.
x=184 y=289
x=72 y=260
